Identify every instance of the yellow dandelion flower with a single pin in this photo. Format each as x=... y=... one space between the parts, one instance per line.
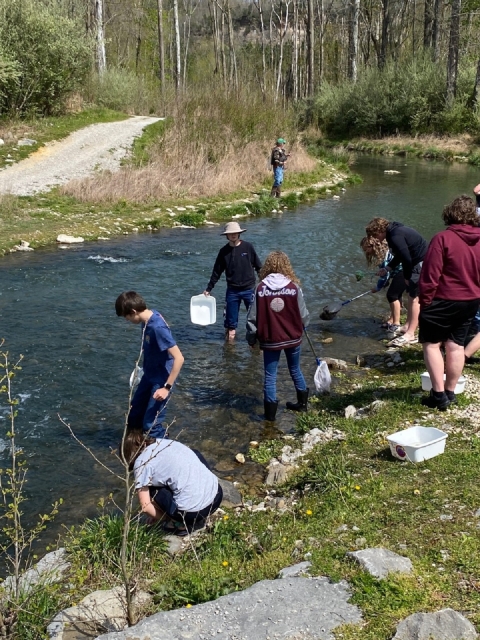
x=225 y=563
x=416 y=492
x=357 y=487
x=188 y=606
x=225 y=517
x=309 y=512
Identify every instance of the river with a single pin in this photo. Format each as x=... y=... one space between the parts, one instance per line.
x=57 y=309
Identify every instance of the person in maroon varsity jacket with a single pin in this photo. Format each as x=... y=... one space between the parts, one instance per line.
x=276 y=319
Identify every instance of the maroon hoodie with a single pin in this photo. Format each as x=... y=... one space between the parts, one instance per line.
x=451 y=268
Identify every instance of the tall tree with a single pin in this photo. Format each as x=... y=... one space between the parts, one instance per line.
x=310 y=47
x=100 y=36
x=178 y=58
x=453 y=49
x=353 y=40
x=161 y=47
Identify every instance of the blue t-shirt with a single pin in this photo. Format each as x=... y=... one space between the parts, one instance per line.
x=157 y=339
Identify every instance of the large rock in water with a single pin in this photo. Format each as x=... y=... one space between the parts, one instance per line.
x=289 y=609
x=231 y=495
x=446 y=624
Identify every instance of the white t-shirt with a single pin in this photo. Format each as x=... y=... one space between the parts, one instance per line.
x=168 y=463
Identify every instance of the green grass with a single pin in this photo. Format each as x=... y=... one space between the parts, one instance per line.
x=141 y=152
x=44 y=130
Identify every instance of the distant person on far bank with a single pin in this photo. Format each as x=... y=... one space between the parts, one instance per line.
x=240 y=262
x=408 y=248
x=278 y=160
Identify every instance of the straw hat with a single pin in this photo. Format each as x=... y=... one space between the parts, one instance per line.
x=232 y=227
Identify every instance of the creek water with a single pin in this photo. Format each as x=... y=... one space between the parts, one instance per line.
x=57 y=309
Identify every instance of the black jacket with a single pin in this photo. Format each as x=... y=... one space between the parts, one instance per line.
x=407 y=245
x=239 y=264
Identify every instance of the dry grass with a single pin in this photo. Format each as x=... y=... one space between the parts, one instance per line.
x=183 y=172
x=460 y=144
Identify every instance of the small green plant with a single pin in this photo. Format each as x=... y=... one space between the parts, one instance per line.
x=266 y=451
x=192 y=219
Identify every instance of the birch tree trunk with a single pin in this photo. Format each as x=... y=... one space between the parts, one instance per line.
x=310 y=47
x=453 y=47
x=263 y=82
x=178 y=59
x=161 y=48
x=353 y=40
x=437 y=11
x=100 y=37
x=385 y=34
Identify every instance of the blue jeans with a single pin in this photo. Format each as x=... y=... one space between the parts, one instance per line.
x=145 y=412
x=233 y=300
x=270 y=364
x=277 y=176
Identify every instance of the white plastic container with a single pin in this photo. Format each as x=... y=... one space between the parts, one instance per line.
x=203 y=310
x=427 y=384
x=417 y=443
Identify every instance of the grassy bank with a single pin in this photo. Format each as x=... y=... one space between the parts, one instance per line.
x=39 y=219
x=45 y=130
x=349 y=494
x=463 y=148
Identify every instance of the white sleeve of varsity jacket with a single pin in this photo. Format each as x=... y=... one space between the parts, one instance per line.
x=252 y=321
x=303 y=309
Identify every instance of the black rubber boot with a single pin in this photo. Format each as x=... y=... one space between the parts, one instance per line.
x=302 y=400
x=273 y=192
x=270 y=410
x=451 y=396
x=279 y=192
x=436 y=400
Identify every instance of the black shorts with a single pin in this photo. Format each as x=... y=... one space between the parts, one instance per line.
x=446 y=320
x=413 y=282
x=397 y=287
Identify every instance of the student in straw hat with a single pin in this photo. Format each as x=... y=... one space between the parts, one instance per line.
x=239 y=261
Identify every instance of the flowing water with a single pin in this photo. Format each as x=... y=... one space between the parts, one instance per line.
x=57 y=309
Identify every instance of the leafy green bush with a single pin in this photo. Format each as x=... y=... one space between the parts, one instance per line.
x=122 y=90
x=192 y=219
x=48 y=57
x=405 y=97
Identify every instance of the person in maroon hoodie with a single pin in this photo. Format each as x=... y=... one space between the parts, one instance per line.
x=276 y=319
x=449 y=290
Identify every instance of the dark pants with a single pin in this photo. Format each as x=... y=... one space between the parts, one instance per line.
x=233 y=300
x=145 y=412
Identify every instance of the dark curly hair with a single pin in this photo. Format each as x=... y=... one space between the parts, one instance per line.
x=461 y=211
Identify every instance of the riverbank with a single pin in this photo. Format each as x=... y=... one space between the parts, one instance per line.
x=464 y=148
x=348 y=494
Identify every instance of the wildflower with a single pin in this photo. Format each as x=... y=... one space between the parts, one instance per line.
x=225 y=517
x=357 y=487
x=309 y=512
x=416 y=492
x=188 y=606
x=225 y=563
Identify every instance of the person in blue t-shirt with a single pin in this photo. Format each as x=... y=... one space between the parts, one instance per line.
x=162 y=361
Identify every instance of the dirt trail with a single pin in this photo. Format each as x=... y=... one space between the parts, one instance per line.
x=97 y=147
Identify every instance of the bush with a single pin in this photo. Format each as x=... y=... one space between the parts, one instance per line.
x=406 y=97
x=48 y=57
x=122 y=90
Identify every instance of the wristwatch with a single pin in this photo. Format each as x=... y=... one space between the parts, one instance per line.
x=167 y=386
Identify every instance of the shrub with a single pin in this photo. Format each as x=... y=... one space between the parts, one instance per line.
x=48 y=57
x=122 y=90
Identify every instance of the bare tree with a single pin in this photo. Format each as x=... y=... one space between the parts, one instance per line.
x=310 y=47
x=178 y=59
x=453 y=48
x=100 y=37
x=161 y=48
x=353 y=40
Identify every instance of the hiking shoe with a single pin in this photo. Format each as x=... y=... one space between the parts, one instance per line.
x=436 y=402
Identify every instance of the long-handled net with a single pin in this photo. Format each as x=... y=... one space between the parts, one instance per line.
x=330 y=311
x=322 y=377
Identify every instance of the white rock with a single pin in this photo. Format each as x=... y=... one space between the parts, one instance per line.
x=23 y=246
x=240 y=458
x=64 y=239
x=336 y=197
x=2 y=142
x=26 y=142
x=391 y=171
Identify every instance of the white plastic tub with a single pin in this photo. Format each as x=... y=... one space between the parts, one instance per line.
x=417 y=443
x=203 y=310
x=427 y=384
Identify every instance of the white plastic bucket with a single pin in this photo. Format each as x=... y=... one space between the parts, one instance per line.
x=427 y=383
x=203 y=309
x=417 y=443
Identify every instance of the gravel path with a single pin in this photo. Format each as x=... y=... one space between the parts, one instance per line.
x=97 y=147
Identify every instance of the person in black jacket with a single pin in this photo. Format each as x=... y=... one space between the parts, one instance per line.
x=239 y=261
x=409 y=249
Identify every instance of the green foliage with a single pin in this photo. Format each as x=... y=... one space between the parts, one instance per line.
x=122 y=90
x=48 y=57
x=263 y=205
x=140 y=154
x=191 y=218
x=95 y=546
x=266 y=451
x=406 y=97
x=37 y=609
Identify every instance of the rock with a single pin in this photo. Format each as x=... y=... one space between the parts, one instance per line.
x=376 y=406
x=240 y=458
x=391 y=171
x=253 y=444
x=174 y=545
x=380 y=562
x=360 y=360
x=477 y=513
x=64 y=239
x=23 y=246
x=295 y=570
x=231 y=496
x=333 y=363
x=350 y=411
x=97 y=612
x=445 y=624
x=288 y=608
x=277 y=473
x=26 y=142
x=48 y=570
x=327 y=341
x=2 y=142
x=336 y=197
